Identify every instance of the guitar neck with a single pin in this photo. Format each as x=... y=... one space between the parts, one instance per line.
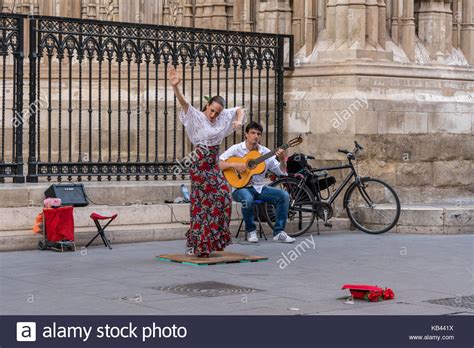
x=270 y=154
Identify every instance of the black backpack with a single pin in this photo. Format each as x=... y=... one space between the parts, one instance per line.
x=297 y=162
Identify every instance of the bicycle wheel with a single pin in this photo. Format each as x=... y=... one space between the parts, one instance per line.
x=300 y=213
x=373 y=206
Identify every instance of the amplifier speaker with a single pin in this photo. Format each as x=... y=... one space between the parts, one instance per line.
x=70 y=194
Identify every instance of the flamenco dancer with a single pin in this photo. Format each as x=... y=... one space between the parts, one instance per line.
x=210 y=196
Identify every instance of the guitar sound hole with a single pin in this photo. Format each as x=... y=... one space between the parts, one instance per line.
x=251 y=164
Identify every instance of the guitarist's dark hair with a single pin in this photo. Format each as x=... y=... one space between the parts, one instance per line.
x=254 y=125
x=215 y=99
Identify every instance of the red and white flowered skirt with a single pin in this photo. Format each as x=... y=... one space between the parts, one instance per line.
x=210 y=203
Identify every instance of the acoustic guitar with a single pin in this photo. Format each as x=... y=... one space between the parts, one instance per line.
x=255 y=163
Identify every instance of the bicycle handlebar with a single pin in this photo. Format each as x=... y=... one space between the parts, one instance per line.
x=352 y=155
x=346 y=152
x=357 y=145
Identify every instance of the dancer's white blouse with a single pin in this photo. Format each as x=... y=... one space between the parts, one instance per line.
x=201 y=131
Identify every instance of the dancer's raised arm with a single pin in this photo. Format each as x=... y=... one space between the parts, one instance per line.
x=174 y=81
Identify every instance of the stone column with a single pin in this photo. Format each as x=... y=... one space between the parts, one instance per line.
x=467 y=30
x=107 y=10
x=456 y=23
x=331 y=19
x=248 y=16
x=7 y=6
x=111 y=10
x=311 y=19
x=357 y=25
x=342 y=7
x=395 y=22
x=237 y=11
x=219 y=15
x=188 y=14
x=408 y=29
x=382 y=37
x=356 y=30
x=60 y=8
x=243 y=16
x=321 y=14
x=388 y=14
x=90 y=9
x=448 y=19
x=297 y=23
x=198 y=14
x=136 y=11
x=275 y=16
x=176 y=12
x=23 y=7
x=211 y=14
x=372 y=23
x=435 y=27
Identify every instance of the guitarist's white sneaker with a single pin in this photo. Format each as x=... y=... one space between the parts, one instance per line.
x=282 y=237
x=252 y=237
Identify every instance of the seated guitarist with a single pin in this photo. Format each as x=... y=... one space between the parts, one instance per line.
x=256 y=189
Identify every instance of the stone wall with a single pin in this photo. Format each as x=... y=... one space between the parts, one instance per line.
x=415 y=123
x=442 y=29
x=397 y=75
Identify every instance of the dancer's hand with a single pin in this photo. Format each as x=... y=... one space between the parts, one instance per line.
x=173 y=77
x=240 y=167
x=240 y=116
x=236 y=125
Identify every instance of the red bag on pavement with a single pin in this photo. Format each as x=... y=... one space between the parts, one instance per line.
x=369 y=292
x=59 y=224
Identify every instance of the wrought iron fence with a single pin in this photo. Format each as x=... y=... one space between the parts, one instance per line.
x=11 y=93
x=99 y=101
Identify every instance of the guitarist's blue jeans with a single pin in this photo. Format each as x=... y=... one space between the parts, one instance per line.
x=279 y=198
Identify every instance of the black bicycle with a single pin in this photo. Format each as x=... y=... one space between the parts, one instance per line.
x=372 y=205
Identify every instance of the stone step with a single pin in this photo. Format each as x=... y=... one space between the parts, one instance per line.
x=440 y=218
x=141 y=222
x=104 y=192
x=22 y=218
x=455 y=218
x=26 y=240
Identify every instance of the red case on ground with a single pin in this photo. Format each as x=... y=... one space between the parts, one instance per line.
x=358 y=290
x=59 y=224
x=369 y=292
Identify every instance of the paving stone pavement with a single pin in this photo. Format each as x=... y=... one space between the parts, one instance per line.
x=124 y=280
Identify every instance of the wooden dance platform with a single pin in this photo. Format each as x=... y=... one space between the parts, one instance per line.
x=216 y=258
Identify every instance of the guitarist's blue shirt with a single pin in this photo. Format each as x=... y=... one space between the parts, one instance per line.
x=271 y=164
